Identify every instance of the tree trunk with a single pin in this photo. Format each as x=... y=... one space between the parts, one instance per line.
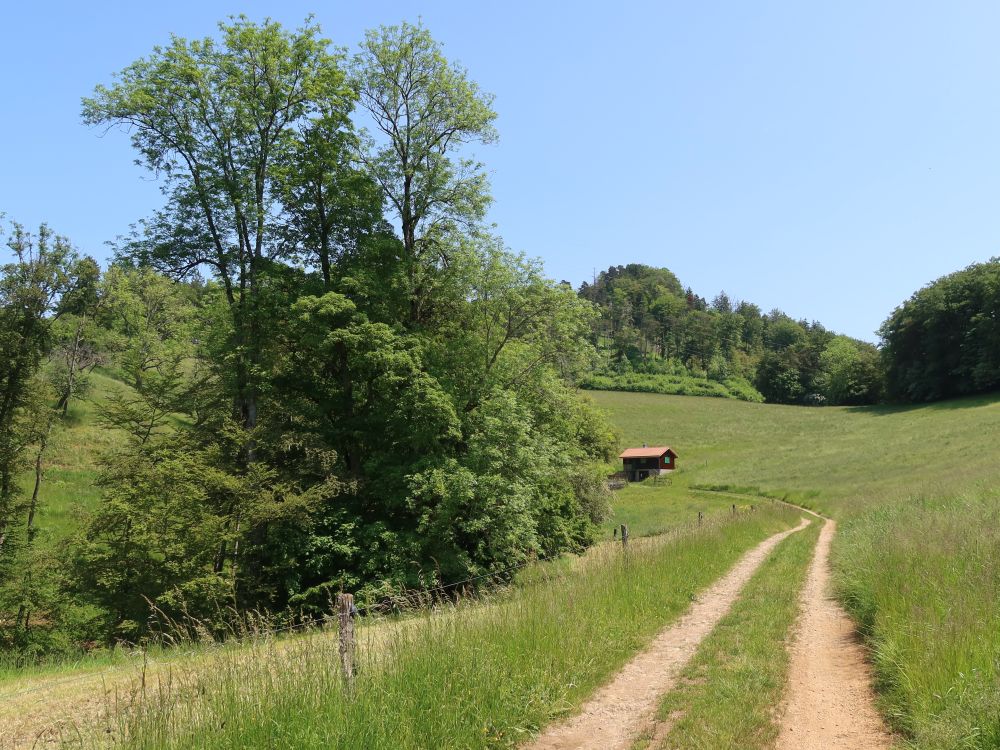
x=23 y=612
x=71 y=375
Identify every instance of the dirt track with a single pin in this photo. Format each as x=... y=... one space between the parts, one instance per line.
x=830 y=702
x=829 y=706
x=619 y=711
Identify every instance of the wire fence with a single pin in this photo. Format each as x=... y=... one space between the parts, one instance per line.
x=407 y=601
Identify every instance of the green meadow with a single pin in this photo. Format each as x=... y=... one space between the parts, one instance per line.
x=840 y=460
x=479 y=676
x=917 y=562
x=917 y=554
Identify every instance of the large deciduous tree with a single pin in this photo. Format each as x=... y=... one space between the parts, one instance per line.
x=216 y=119
x=402 y=410
x=425 y=110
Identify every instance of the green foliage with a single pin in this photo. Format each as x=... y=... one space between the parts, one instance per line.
x=349 y=409
x=850 y=372
x=153 y=538
x=649 y=325
x=45 y=280
x=220 y=121
x=678 y=385
x=425 y=109
x=945 y=340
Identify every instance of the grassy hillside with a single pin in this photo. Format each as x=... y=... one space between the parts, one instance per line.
x=486 y=676
x=917 y=558
x=71 y=462
x=836 y=459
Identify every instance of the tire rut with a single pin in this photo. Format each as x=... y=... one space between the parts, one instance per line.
x=830 y=703
x=618 y=712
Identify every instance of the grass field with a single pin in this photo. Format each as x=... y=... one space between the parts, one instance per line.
x=917 y=557
x=917 y=561
x=71 y=462
x=837 y=459
x=922 y=578
x=661 y=504
x=486 y=676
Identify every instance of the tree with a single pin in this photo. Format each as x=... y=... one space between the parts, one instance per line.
x=216 y=119
x=30 y=291
x=78 y=337
x=778 y=377
x=945 y=340
x=511 y=324
x=399 y=410
x=849 y=372
x=425 y=110
x=331 y=208
x=150 y=328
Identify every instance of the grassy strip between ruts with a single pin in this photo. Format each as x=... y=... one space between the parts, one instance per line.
x=482 y=676
x=728 y=692
x=922 y=577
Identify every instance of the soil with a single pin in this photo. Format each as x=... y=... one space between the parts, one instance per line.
x=617 y=713
x=830 y=702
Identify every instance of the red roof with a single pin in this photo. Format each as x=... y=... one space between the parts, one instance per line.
x=653 y=451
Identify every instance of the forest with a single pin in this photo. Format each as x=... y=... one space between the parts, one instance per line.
x=655 y=335
x=335 y=375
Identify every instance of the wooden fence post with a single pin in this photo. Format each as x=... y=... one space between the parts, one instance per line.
x=345 y=622
x=699 y=518
x=734 y=509
x=624 y=536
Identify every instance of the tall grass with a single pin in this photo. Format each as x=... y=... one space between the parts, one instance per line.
x=921 y=576
x=658 y=504
x=923 y=580
x=471 y=677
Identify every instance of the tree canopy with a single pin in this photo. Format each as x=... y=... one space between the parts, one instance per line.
x=335 y=376
x=652 y=328
x=945 y=340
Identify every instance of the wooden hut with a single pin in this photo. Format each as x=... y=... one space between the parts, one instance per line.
x=647 y=461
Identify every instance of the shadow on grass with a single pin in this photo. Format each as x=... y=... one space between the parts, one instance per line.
x=953 y=404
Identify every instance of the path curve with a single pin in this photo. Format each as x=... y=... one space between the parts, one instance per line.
x=616 y=714
x=830 y=702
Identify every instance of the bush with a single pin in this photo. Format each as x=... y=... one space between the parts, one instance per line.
x=677 y=385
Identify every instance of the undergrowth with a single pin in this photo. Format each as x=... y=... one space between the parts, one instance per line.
x=677 y=385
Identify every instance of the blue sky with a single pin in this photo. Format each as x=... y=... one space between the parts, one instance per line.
x=827 y=159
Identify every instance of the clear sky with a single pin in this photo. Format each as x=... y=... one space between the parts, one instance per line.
x=825 y=158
